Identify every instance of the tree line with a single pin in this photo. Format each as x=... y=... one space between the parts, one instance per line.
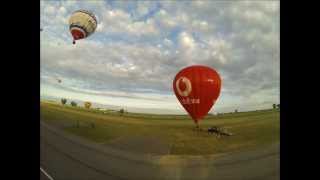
x=87 y=105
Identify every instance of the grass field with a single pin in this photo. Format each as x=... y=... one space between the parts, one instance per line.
x=251 y=129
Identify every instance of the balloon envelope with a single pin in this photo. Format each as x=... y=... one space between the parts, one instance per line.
x=197 y=88
x=82 y=24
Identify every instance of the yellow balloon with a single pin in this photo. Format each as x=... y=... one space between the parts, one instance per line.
x=87 y=105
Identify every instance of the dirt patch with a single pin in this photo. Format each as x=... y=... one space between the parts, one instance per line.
x=141 y=145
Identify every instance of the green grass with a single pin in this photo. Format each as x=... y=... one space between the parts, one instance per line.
x=251 y=129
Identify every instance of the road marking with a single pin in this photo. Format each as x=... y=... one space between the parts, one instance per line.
x=45 y=173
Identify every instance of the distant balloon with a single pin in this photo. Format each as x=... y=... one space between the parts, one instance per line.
x=197 y=88
x=59 y=80
x=87 y=104
x=41 y=29
x=82 y=24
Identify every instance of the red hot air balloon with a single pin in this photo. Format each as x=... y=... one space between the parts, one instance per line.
x=197 y=88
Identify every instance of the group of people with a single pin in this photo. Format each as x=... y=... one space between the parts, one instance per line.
x=218 y=131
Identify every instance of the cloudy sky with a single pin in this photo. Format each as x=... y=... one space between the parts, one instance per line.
x=139 y=46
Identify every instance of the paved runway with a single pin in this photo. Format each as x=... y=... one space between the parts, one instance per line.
x=68 y=157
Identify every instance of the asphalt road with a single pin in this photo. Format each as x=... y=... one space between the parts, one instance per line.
x=68 y=157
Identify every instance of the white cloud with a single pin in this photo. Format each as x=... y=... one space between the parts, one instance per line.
x=100 y=27
x=165 y=20
x=118 y=21
x=142 y=28
x=186 y=41
x=167 y=42
x=62 y=10
x=143 y=7
x=50 y=10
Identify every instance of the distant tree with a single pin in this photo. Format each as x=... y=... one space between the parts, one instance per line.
x=121 y=111
x=274 y=106
x=236 y=110
x=63 y=101
x=74 y=104
x=278 y=106
x=87 y=105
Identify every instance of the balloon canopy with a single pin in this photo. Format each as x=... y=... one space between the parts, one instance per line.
x=82 y=24
x=197 y=88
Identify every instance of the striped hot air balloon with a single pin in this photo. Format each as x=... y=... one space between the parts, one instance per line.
x=82 y=24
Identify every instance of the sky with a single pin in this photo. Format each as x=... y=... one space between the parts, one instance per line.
x=139 y=47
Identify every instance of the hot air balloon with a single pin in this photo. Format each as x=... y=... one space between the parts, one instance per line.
x=82 y=24
x=87 y=105
x=197 y=88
